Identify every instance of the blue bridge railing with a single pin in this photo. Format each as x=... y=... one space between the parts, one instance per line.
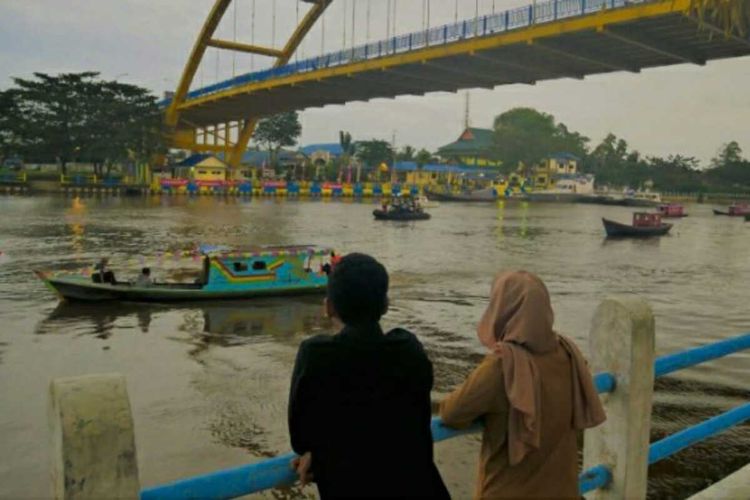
x=275 y=472
x=491 y=24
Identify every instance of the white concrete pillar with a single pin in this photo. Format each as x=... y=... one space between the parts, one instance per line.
x=622 y=343
x=93 y=440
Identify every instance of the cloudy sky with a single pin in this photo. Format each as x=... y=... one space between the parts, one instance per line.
x=682 y=109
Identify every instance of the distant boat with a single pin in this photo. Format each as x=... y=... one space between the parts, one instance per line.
x=672 y=210
x=735 y=210
x=644 y=225
x=621 y=201
x=424 y=202
x=226 y=274
x=478 y=195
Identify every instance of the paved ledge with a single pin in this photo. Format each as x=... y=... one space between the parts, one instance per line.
x=736 y=485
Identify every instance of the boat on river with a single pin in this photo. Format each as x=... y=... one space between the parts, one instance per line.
x=227 y=273
x=644 y=224
x=671 y=210
x=476 y=195
x=735 y=210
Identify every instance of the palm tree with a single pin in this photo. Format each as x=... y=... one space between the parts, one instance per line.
x=347 y=152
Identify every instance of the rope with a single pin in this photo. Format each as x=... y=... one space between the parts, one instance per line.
x=388 y=24
x=296 y=52
x=322 y=33
x=252 y=37
x=343 y=22
x=367 y=31
x=455 y=13
x=234 y=36
x=273 y=24
x=354 y=6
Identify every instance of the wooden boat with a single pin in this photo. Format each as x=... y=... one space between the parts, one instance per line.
x=671 y=210
x=226 y=274
x=644 y=224
x=735 y=210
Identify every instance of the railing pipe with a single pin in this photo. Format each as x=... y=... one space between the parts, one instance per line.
x=686 y=437
x=697 y=355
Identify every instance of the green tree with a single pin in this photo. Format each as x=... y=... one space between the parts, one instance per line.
x=527 y=136
x=406 y=154
x=348 y=149
x=729 y=168
x=77 y=116
x=278 y=131
x=374 y=152
x=422 y=158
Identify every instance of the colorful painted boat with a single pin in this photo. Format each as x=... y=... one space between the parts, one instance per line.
x=644 y=224
x=226 y=274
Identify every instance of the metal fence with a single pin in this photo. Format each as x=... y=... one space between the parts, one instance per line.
x=256 y=477
x=491 y=24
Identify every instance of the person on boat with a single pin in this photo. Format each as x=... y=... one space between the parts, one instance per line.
x=359 y=404
x=144 y=279
x=534 y=392
x=102 y=274
x=335 y=259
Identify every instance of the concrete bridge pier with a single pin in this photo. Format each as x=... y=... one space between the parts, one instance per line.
x=93 y=439
x=621 y=342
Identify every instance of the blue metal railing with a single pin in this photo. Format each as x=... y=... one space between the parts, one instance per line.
x=252 y=478
x=491 y=24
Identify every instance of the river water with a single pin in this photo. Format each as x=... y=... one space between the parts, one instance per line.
x=208 y=383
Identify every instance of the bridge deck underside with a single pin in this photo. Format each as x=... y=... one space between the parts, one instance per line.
x=629 y=46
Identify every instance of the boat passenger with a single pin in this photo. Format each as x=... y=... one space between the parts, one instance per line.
x=335 y=259
x=144 y=279
x=534 y=391
x=359 y=405
x=102 y=274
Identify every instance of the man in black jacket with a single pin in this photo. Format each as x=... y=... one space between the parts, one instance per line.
x=359 y=406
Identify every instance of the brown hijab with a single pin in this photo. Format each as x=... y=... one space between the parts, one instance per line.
x=518 y=325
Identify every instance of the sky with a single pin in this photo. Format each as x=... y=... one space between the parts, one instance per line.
x=685 y=109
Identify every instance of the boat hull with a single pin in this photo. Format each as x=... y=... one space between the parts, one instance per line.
x=620 y=202
x=381 y=215
x=618 y=230
x=81 y=289
x=730 y=214
x=553 y=197
x=483 y=195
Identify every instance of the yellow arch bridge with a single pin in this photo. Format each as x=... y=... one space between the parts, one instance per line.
x=548 y=40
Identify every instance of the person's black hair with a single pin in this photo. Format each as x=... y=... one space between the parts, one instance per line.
x=146 y=271
x=358 y=289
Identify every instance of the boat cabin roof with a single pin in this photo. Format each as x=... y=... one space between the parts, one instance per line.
x=262 y=251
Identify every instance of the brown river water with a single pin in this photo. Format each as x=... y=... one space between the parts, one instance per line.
x=208 y=382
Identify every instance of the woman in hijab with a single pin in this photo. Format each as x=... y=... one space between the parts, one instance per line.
x=534 y=392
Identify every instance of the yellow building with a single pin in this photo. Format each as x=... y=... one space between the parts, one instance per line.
x=202 y=167
x=557 y=165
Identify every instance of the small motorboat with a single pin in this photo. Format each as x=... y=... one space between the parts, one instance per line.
x=400 y=214
x=671 y=210
x=735 y=210
x=401 y=208
x=226 y=274
x=644 y=224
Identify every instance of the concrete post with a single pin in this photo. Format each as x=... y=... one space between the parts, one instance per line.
x=622 y=343
x=92 y=438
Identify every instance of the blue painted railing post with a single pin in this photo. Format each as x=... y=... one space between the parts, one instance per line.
x=621 y=342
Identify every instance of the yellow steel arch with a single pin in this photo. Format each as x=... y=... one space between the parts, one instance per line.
x=183 y=134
